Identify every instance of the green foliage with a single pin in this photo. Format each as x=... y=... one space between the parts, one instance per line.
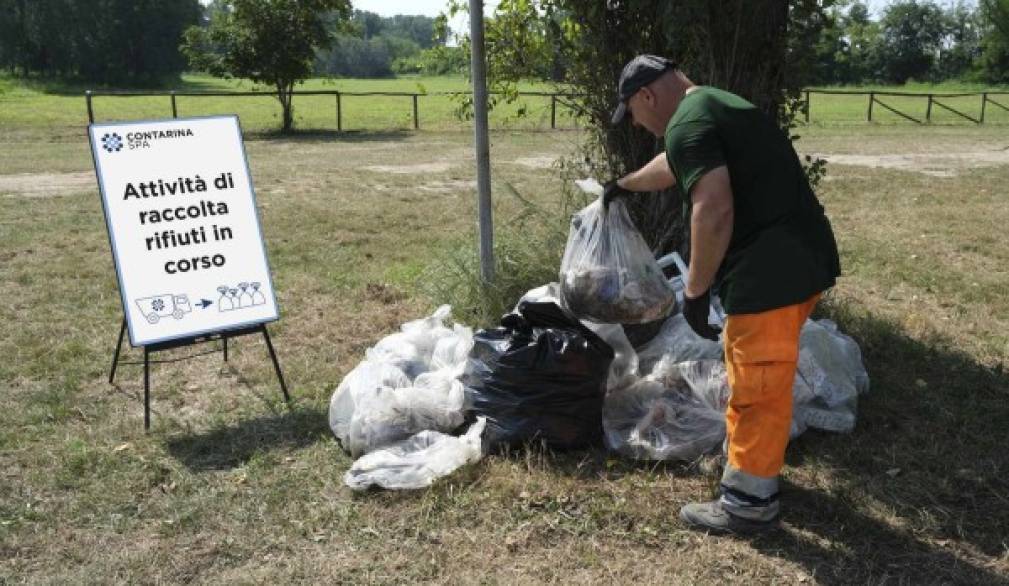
x=105 y=41
x=370 y=45
x=582 y=46
x=527 y=254
x=272 y=42
x=912 y=36
x=995 y=42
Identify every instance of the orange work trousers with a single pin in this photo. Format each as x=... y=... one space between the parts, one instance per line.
x=761 y=351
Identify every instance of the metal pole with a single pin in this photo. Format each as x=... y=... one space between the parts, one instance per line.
x=339 y=114
x=984 y=101
x=805 y=108
x=482 y=145
x=416 y=119
x=276 y=365
x=91 y=112
x=225 y=340
x=175 y=109
x=928 y=111
x=553 y=111
x=119 y=346
x=872 y=98
x=147 y=389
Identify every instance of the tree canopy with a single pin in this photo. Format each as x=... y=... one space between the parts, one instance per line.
x=271 y=42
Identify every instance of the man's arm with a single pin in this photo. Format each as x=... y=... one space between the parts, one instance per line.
x=655 y=175
x=710 y=228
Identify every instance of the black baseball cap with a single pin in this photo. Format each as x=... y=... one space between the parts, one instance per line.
x=639 y=72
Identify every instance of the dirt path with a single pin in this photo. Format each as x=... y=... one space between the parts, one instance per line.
x=948 y=164
x=47 y=184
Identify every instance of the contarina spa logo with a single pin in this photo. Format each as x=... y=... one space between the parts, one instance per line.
x=141 y=139
x=112 y=142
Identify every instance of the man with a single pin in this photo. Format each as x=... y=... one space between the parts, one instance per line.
x=757 y=228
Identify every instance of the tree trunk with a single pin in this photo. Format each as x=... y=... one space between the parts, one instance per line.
x=286 y=97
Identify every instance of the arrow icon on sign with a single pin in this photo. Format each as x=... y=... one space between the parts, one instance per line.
x=205 y=303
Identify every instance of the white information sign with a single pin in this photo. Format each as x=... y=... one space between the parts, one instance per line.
x=181 y=214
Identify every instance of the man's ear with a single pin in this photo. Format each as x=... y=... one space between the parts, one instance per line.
x=648 y=96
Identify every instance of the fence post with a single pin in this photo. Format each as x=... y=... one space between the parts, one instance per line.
x=175 y=109
x=984 y=102
x=416 y=118
x=872 y=98
x=805 y=108
x=339 y=114
x=553 y=111
x=91 y=112
x=928 y=111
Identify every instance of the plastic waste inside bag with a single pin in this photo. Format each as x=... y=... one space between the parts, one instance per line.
x=418 y=461
x=394 y=393
x=829 y=377
x=675 y=413
x=541 y=376
x=677 y=342
x=608 y=274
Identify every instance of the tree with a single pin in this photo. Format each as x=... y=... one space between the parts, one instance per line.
x=271 y=42
x=739 y=45
x=134 y=41
x=995 y=41
x=912 y=36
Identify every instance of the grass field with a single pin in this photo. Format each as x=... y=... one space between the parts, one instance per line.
x=60 y=107
x=231 y=486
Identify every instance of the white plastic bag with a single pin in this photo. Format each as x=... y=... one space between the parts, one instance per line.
x=384 y=415
x=418 y=461
x=828 y=379
x=366 y=379
x=677 y=342
x=393 y=394
x=608 y=274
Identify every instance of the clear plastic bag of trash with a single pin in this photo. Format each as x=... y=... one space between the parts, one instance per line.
x=677 y=342
x=418 y=461
x=677 y=412
x=394 y=394
x=412 y=348
x=608 y=274
x=829 y=377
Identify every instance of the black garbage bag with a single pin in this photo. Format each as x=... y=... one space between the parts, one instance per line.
x=540 y=376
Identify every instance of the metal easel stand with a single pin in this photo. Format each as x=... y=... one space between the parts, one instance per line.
x=223 y=336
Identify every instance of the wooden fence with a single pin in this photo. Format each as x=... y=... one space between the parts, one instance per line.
x=339 y=97
x=933 y=100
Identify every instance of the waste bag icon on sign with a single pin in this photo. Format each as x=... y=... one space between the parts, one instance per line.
x=158 y=306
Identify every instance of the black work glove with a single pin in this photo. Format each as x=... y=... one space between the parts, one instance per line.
x=696 y=311
x=612 y=191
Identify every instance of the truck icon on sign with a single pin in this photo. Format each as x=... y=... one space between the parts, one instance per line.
x=158 y=306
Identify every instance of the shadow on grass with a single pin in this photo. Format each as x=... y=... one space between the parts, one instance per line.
x=918 y=493
x=229 y=446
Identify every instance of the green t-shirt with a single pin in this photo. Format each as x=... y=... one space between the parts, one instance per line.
x=782 y=249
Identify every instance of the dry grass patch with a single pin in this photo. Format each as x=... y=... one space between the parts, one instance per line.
x=231 y=485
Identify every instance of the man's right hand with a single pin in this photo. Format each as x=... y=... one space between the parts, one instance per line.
x=611 y=191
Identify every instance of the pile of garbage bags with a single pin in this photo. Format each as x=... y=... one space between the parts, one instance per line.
x=673 y=408
x=561 y=370
x=401 y=400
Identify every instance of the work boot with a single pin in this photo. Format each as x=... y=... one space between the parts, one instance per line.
x=713 y=518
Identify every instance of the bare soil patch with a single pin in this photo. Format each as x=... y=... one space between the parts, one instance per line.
x=946 y=164
x=46 y=184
